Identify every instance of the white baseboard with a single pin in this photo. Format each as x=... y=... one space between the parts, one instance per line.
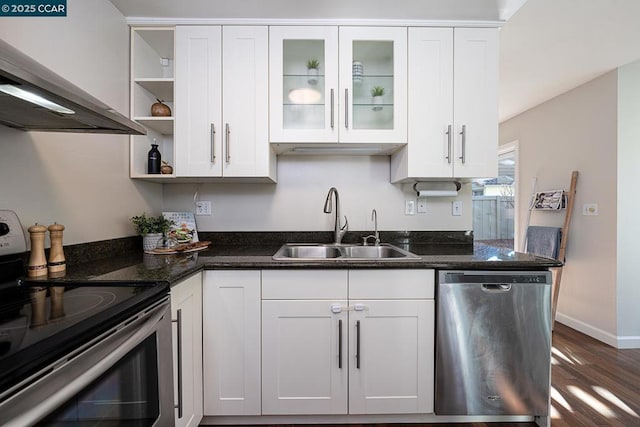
x=620 y=342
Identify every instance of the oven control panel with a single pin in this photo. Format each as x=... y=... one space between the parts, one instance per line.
x=12 y=237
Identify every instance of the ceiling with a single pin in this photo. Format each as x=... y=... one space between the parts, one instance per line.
x=547 y=47
x=551 y=46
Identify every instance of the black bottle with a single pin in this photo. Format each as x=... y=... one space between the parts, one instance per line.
x=154 y=160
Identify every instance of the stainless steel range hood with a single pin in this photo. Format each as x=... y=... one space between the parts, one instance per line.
x=33 y=98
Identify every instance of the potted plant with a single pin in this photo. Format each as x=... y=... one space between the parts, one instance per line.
x=151 y=229
x=313 y=67
x=376 y=97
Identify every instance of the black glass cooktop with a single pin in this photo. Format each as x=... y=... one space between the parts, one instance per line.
x=42 y=321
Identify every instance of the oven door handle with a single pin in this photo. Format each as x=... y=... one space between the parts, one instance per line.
x=71 y=376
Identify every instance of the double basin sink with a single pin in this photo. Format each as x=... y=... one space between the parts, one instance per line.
x=342 y=252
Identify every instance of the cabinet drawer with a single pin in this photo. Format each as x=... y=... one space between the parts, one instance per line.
x=391 y=284
x=304 y=284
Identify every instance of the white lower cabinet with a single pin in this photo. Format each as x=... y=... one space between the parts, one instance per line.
x=231 y=321
x=340 y=341
x=391 y=356
x=304 y=364
x=186 y=314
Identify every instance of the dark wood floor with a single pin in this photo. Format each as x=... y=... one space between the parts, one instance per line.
x=593 y=384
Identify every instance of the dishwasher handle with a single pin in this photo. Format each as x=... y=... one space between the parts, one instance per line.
x=496 y=287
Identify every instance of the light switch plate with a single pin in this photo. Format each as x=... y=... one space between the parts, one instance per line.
x=410 y=207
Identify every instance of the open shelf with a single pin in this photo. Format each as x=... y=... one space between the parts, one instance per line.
x=162 y=125
x=161 y=88
x=152 y=78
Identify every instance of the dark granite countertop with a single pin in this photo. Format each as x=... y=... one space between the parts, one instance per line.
x=437 y=256
x=246 y=253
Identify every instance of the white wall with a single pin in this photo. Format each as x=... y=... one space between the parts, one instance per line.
x=79 y=180
x=577 y=131
x=628 y=284
x=296 y=202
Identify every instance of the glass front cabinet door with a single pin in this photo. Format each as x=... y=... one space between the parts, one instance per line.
x=303 y=84
x=345 y=84
x=373 y=84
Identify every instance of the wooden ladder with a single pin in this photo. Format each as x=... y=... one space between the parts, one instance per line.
x=557 y=271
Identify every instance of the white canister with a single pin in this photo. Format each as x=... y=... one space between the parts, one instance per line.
x=357 y=71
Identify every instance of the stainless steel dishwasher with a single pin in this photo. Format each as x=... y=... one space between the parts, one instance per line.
x=493 y=343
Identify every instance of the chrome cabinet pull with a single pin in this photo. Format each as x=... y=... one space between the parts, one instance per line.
x=227 y=133
x=464 y=143
x=346 y=108
x=340 y=344
x=178 y=323
x=358 y=344
x=448 y=133
x=213 y=139
x=332 y=109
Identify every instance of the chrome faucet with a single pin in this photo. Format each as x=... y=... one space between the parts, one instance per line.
x=376 y=235
x=328 y=207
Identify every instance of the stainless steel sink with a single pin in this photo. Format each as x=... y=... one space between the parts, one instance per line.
x=343 y=252
x=311 y=251
x=374 y=252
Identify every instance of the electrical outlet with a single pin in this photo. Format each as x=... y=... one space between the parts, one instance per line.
x=203 y=208
x=410 y=207
x=456 y=208
x=590 y=209
x=422 y=205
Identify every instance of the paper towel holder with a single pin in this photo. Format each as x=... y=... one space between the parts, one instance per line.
x=441 y=192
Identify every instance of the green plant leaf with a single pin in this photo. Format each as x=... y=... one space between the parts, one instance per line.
x=148 y=224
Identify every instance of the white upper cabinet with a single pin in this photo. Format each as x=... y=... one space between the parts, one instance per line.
x=222 y=95
x=303 y=100
x=475 y=101
x=198 y=101
x=373 y=84
x=322 y=83
x=452 y=105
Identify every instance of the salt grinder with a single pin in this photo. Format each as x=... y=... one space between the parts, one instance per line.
x=57 y=264
x=37 y=266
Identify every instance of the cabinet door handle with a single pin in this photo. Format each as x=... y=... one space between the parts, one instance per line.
x=340 y=344
x=346 y=108
x=448 y=133
x=178 y=323
x=213 y=141
x=227 y=132
x=358 y=344
x=332 y=109
x=464 y=143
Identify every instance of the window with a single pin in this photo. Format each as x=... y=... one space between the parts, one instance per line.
x=494 y=202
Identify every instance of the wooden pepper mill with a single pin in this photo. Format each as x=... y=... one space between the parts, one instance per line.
x=37 y=266
x=57 y=264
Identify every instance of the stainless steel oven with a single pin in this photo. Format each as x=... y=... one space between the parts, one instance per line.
x=81 y=353
x=121 y=376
